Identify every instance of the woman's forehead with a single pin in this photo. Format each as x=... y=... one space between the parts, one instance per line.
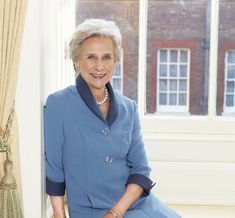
x=97 y=44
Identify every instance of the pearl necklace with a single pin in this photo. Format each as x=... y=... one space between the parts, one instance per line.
x=105 y=97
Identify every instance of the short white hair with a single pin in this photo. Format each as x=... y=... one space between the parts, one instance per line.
x=95 y=28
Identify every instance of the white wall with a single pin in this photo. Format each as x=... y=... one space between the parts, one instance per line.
x=39 y=75
x=29 y=113
x=193 y=172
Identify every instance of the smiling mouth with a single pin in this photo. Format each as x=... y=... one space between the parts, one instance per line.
x=97 y=76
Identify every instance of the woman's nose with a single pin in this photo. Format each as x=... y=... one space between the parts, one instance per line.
x=99 y=65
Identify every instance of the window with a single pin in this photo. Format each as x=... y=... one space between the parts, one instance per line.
x=172 y=82
x=180 y=32
x=117 y=79
x=225 y=104
x=229 y=88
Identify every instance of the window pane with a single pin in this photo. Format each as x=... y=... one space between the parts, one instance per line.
x=230 y=72
x=230 y=86
x=116 y=84
x=226 y=59
x=117 y=71
x=183 y=70
x=229 y=100
x=231 y=57
x=173 y=85
x=173 y=70
x=163 y=85
x=183 y=56
x=162 y=99
x=178 y=37
x=173 y=56
x=182 y=99
x=173 y=99
x=163 y=56
x=183 y=85
x=126 y=16
x=163 y=70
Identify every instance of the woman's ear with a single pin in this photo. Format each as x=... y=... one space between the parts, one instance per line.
x=76 y=67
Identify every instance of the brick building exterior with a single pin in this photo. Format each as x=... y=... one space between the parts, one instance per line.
x=175 y=25
x=171 y=24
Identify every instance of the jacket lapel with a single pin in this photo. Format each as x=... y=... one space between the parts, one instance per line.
x=87 y=97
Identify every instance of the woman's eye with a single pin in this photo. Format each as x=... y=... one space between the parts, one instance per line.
x=107 y=57
x=91 y=57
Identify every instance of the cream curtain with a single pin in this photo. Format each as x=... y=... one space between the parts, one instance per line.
x=12 y=14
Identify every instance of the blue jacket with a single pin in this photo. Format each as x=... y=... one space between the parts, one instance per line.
x=91 y=157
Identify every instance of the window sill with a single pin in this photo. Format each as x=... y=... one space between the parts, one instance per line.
x=228 y=114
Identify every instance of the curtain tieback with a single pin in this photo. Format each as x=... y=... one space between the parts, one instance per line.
x=8 y=180
x=8 y=186
x=4 y=146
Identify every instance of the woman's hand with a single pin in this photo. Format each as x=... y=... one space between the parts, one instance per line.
x=131 y=195
x=113 y=214
x=108 y=215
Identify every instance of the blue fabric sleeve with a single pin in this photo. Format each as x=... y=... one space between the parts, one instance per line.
x=55 y=188
x=53 y=142
x=137 y=158
x=142 y=181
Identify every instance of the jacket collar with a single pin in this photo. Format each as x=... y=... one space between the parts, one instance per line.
x=89 y=100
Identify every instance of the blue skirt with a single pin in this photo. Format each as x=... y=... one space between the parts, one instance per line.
x=151 y=207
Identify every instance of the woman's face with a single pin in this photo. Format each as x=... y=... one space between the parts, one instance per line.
x=96 y=61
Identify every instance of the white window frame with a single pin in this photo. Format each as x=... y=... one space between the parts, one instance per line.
x=182 y=109
x=228 y=110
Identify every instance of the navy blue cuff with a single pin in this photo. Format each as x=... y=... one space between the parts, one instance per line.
x=139 y=179
x=55 y=188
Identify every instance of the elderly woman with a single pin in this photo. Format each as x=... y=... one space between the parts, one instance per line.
x=93 y=143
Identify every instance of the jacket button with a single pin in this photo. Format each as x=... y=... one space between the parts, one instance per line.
x=105 y=131
x=109 y=159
